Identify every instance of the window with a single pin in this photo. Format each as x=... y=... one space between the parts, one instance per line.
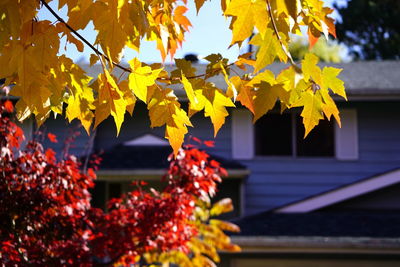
x=327 y=140
x=283 y=135
x=105 y=190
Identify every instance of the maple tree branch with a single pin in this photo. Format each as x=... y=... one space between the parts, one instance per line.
x=100 y=54
x=82 y=38
x=280 y=40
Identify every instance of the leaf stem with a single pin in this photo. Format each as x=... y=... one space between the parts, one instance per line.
x=102 y=55
x=280 y=39
x=81 y=37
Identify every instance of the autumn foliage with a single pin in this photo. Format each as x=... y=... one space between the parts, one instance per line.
x=47 y=219
x=33 y=59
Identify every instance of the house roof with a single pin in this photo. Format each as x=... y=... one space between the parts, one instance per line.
x=307 y=218
x=361 y=78
x=343 y=193
x=365 y=77
x=148 y=157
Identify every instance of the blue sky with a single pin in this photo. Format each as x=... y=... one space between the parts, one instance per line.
x=210 y=34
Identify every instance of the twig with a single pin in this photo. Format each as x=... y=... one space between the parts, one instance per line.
x=280 y=40
x=81 y=37
x=100 y=54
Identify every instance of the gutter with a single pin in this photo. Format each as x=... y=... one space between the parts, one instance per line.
x=154 y=174
x=317 y=244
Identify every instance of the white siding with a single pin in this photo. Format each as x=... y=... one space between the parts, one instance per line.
x=242 y=134
x=346 y=137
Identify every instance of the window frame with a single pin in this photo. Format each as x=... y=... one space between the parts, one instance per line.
x=294 y=115
x=345 y=138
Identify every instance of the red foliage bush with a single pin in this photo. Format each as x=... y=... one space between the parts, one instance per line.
x=46 y=216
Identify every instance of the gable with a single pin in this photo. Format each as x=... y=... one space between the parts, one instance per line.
x=343 y=193
x=147 y=140
x=386 y=199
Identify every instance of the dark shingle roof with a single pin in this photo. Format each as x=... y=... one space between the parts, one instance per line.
x=123 y=157
x=362 y=78
x=325 y=224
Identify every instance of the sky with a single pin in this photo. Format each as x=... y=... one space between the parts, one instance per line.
x=210 y=34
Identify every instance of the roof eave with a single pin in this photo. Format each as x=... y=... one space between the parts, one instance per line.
x=317 y=244
x=154 y=174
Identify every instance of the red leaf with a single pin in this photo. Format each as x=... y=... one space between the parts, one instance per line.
x=52 y=138
x=50 y=155
x=8 y=105
x=209 y=143
x=196 y=140
x=91 y=173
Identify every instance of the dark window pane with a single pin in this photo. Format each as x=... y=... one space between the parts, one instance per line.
x=99 y=195
x=229 y=188
x=318 y=143
x=114 y=190
x=273 y=135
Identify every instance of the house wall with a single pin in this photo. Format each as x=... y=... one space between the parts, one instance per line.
x=275 y=181
x=312 y=259
x=63 y=130
x=139 y=125
x=386 y=199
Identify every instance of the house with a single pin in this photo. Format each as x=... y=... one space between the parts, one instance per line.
x=331 y=202
x=333 y=198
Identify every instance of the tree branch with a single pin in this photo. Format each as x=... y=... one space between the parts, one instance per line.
x=100 y=54
x=81 y=37
x=280 y=40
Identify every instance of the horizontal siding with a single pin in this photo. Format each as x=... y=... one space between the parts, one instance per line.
x=203 y=129
x=133 y=127
x=278 y=181
x=139 y=125
x=63 y=130
x=274 y=181
x=316 y=166
x=265 y=179
x=300 y=190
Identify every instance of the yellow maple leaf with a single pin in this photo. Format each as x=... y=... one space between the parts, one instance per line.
x=164 y=109
x=141 y=78
x=31 y=82
x=187 y=86
x=70 y=37
x=110 y=100
x=265 y=98
x=246 y=93
x=329 y=107
x=310 y=68
x=269 y=49
x=265 y=76
x=214 y=102
x=128 y=96
x=46 y=43
x=288 y=7
x=80 y=105
x=249 y=14
x=80 y=96
x=180 y=18
x=317 y=19
x=199 y=4
x=319 y=82
x=80 y=12
x=111 y=35
x=330 y=80
x=183 y=66
x=270 y=88
x=312 y=112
